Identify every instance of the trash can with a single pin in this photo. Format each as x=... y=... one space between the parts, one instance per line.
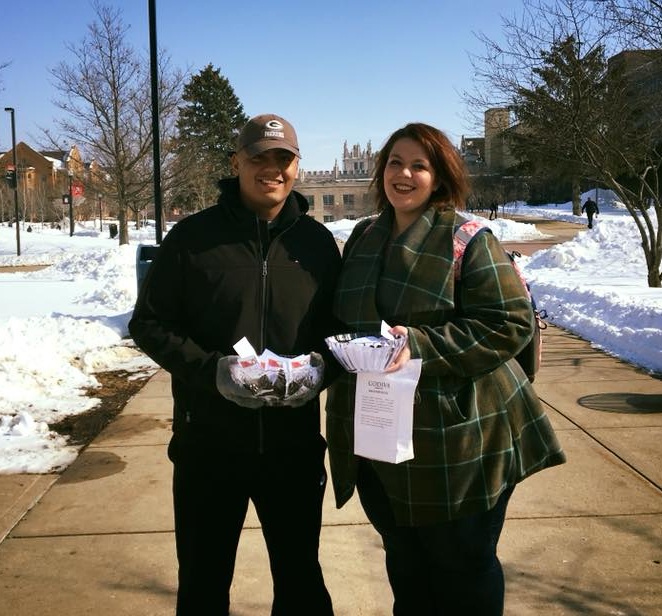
x=145 y=254
x=112 y=230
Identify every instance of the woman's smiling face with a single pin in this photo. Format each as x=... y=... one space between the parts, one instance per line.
x=409 y=179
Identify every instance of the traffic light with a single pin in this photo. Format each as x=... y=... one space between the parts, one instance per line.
x=10 y=178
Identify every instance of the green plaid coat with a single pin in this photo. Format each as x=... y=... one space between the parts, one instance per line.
x=478 y=425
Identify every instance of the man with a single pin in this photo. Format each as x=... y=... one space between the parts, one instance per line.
x=255 y=266
x=494 y=209
x=591 y=209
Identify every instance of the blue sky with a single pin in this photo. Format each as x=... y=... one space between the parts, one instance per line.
x=342 y=70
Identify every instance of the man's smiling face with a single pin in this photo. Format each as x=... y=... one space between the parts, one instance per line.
x=265 y=179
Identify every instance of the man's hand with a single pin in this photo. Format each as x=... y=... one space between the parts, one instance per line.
x=229 y=388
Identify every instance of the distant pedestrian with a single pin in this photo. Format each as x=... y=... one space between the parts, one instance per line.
x=494 y=209
x=591 y=209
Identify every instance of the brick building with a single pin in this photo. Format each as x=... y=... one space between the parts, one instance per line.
x=42 y=179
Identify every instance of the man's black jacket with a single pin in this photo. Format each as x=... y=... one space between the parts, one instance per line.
x=220 y=275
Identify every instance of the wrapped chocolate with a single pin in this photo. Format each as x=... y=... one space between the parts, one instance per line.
x=270 y=379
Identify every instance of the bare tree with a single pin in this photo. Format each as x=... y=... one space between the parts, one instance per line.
x=609 y=120
x=3 y=65
x=511 y=65
x=6 y=201
x=105 y=95
x=639 y=22
x=508 y=63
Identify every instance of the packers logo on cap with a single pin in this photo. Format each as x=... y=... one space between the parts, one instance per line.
x=267 y=132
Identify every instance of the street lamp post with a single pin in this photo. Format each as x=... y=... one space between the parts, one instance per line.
x=13 y=145
x=156 y=142
x=100 y=197
x=71 y=204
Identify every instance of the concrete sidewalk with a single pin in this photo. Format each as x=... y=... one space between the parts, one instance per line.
x=583 y=538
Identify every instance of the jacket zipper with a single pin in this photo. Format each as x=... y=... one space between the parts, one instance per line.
x=263 y=326
x=263 y=309
x=263 y=319
x=265 y=274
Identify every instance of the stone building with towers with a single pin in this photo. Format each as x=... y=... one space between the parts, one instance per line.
x=342 y=192
x=491 y=152
x=498 y=156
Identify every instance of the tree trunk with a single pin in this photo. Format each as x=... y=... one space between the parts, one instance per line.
x=651 y=243
x=576 y=197
x=123 y=224
x=654 y=260
x=163 y=220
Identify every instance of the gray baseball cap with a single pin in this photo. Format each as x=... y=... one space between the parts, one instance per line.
x=267 y=132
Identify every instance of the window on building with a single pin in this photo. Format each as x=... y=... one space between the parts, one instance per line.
x=327 y=199
x=328 y=218
x=311 y=201
x=348 y=200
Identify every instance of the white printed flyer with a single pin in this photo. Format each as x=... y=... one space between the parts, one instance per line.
x=384 y=413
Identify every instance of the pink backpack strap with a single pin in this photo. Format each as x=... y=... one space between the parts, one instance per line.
x=461 y=238
x=531 y=356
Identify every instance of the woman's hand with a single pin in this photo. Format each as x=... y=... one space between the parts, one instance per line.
x=405 y=355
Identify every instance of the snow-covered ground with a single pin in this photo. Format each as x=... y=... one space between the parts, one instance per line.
x=62 y=324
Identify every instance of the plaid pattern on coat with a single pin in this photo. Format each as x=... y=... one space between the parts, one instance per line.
x=479 y=426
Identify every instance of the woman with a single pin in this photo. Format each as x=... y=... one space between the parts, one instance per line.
x=479 y=427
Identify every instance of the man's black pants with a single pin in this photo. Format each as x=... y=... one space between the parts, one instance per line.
x=211 y=490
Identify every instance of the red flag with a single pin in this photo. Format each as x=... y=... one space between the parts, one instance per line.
x=77 y=189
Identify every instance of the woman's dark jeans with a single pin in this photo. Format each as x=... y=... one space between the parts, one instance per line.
x=450 y=569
